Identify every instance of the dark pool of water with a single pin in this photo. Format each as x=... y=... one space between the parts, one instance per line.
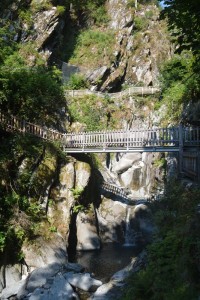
x=105 y=262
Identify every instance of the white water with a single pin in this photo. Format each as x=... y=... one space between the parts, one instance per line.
x=129 y=232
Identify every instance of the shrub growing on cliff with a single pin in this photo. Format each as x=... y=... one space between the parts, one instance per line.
x=174 y=257
x=76 y=82
x=94 y=47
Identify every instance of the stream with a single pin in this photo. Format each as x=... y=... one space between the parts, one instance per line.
x=105 y=262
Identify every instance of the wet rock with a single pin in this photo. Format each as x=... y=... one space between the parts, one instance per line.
x=83 y=281
x=74 y=267
x=114 y=288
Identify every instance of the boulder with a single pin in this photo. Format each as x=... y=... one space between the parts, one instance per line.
x=9 y=275
x=126 y=162
x=11 y=290
x=74 y=267
x=108 y=291
x=43 y=253
x=111 y=216
x=87 y=236
x=61 y=290
x=39 y=277
x=83 y=281
x=83 y=172
x=98 y=75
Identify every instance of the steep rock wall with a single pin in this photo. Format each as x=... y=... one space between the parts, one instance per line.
x=141 y=45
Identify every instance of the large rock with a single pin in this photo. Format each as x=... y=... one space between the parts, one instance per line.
x=39 y=277
x=83 y=281
x=60 y=289
x=87 y=237
x=113 y=290
x=42 y=253
x=83 y=172
x=60 y=212
x=97 y=76
x=74 y=267
x=111 y=218
x=120 y=16
x=11 y=290
x=9 y=275
x=126 y=162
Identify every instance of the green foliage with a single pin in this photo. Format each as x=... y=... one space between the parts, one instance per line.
x=173 y=266
x=77 y=192
x=140 y=23
x=99 y=15
x=93 y=47
x=41 y=5
x=183 y=19
x=180 y=85
x=160 y=162
x=53 y=228
x=60 y=10
x=89 y=110
x=2 y=241
x=76 y=82
x=6 y=41
x=39 y=98
x=78 y=208
x=25 y=16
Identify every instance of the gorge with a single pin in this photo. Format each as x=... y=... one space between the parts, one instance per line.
x=77 y=225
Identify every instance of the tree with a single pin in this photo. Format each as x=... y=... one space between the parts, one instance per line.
x=183 y=18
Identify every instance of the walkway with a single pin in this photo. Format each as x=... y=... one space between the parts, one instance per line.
x=122 y=193
x=150 y=140
x=128 y=92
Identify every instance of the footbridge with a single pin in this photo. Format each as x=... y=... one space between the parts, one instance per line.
x=184 y=140
x=170 y=139
x=122 y=193
x=134 y=90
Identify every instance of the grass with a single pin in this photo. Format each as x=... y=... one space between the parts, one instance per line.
x=93 y=48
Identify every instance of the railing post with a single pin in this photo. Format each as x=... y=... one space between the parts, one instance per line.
x=180 y=129
x=83 y=141
x=127 y=136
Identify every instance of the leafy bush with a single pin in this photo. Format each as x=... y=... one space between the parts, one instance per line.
x=99 y=15
x=39 y=98
x=140 y=23
x=173 y=265
x=60 y=10
x=76 y=82
x=89 y=110
x=93 y=48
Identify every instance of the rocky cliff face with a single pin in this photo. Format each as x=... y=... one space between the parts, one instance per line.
x=75 y=214
x=140 y=44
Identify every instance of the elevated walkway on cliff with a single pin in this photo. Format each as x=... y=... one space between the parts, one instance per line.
x=140 y=91
x=184 y=140
x=172 y=139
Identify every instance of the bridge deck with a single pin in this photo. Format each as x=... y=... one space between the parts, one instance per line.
x=149 y=140
x=120 y=149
